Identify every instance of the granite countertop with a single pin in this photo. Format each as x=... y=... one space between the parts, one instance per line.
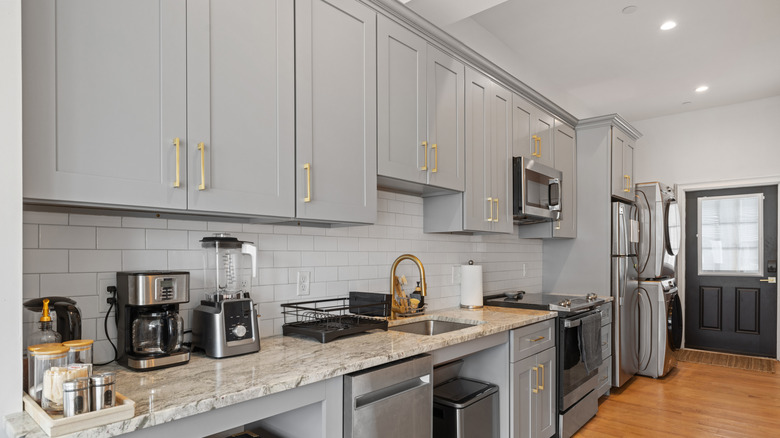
x=284 y=362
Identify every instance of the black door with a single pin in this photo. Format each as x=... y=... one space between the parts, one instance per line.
x=731 y=259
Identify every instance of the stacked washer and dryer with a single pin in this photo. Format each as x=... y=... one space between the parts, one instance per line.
x=658 y=312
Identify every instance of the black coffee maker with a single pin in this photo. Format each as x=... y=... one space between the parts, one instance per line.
x=68 y=316
x=149 y=327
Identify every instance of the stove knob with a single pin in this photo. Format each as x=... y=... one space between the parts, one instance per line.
x=239 y=331
x=565 y=303
x=591 y=297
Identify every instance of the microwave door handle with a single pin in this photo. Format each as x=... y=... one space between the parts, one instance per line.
x=554 y=182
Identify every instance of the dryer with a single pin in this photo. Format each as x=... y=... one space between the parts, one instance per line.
x=659 y=326
x=659 y=231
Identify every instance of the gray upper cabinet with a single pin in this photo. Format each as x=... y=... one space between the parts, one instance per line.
x=240 y=107
x=104 y=102
x=420 y=110
x=622 y=165
x=485 y=205
x=532 y=132
x=566 y=162
x=161 y=104
x=335 y=52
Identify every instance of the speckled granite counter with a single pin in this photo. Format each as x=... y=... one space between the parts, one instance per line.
x=284 y=362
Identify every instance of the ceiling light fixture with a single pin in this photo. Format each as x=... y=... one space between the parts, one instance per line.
x=702 y=89
x=668 y=25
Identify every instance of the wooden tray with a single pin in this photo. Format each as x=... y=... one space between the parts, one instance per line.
x=59 y=425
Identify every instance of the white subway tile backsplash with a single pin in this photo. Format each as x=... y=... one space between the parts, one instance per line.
x=69 y=284
x=144 y=222
x=66 y=237
x=90 y=220
x=144 y=260
x=121 y=238
x=166 y=239
x=339 y=259
x=44 y=217
x=36 y=261
x=30 y=236
x=95 y=260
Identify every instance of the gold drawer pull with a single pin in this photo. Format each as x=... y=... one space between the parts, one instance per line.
x=307 y=167
x=537 y=339
x=176 y=143
x=425 y=154
x=202 y=149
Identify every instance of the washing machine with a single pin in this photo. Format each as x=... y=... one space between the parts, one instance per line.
x=659 y=231
x=658 y=326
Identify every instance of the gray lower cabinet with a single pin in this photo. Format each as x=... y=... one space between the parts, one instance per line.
x=420 y=111
x=104 y=101
x=335 y=52
x=533 y=401
x=485 y=206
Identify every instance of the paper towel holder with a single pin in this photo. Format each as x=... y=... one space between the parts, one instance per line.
x=471 y=293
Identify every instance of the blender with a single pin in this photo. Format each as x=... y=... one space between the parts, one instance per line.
x=225 y=323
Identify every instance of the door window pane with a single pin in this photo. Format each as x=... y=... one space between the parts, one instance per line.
x=731 y=234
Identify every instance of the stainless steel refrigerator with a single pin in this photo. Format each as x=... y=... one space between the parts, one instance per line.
x=623 y=289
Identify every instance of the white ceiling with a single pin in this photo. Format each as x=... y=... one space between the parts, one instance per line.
x=615 y=62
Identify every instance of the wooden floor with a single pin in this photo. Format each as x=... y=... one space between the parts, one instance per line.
x=693 y=400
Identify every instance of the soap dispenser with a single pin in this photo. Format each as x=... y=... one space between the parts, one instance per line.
x=45 y=334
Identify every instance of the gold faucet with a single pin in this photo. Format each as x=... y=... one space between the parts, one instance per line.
x=423 y=285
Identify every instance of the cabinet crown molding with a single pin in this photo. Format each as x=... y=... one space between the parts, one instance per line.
x=610 y=120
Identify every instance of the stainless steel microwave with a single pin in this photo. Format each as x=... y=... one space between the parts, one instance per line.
x=536 y=192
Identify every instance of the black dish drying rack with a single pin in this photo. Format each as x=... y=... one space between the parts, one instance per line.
x=332 y=318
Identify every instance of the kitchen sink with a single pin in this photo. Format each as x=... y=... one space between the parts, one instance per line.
x=431 y=327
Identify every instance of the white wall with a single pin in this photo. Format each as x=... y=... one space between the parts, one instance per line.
x=730 y=142
x=11 y=202
x=67 y=254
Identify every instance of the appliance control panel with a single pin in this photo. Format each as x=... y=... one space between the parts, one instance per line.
x=238 y=319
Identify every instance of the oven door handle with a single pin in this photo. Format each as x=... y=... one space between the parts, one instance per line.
x=570 y=323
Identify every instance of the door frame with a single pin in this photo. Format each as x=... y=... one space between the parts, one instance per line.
x=681 y=190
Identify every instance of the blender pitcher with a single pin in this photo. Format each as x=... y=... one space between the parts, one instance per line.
x=224 y=268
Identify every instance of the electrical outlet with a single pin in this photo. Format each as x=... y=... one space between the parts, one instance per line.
x=456 y=274
x=523 y=274
x=303 y=283
x=103 y=283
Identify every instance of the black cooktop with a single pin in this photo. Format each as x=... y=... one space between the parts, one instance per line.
x=560 y=303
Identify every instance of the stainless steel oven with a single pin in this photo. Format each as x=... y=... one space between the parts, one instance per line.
x=536 y=192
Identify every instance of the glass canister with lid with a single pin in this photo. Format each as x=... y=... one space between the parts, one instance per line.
x=30 y=382
x=48 y=371
x=80 y=352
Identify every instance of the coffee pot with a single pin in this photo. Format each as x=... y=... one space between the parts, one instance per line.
x=157 y=332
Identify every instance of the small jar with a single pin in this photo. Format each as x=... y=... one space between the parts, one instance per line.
x=48 y=372
x=30 y=364
x=103 y=391
x=75 y=396
x=80 y=352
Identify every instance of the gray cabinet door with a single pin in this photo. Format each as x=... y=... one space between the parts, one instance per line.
x=402 y=143
x=523 y=404
x=622 y=165
x=445 y=121
x=522 y=116
x=240 y=107
x=104 y=102
x=547 y=399
x=477 y=199
x=501 y=152
x=565 y=161
x=335 y=52
x=542 y=133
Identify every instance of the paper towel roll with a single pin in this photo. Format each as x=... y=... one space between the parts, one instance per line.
x=471 y=286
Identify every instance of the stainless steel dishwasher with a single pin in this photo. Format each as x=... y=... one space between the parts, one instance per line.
x=393 y=400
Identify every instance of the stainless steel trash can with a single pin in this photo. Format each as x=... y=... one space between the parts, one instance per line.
x=465 y=408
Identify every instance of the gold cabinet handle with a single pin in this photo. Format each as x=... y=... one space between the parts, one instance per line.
x=536 y=390
x=307 y=167
x=537 y=339
x=769 y=280
x=625 y=183
x=202 y=149
x=558 y=225
x=425 y=154
x=541 y=387
x=490 y=204
x=176 y=143
x=497 y=215
x=629 y=183
x=534 y=138
x=435 y=158
x=539 y=147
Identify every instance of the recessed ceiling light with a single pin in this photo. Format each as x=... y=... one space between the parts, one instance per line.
x=629 y=9
x=687 y=102
x=668 y=25
x=702 y=89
